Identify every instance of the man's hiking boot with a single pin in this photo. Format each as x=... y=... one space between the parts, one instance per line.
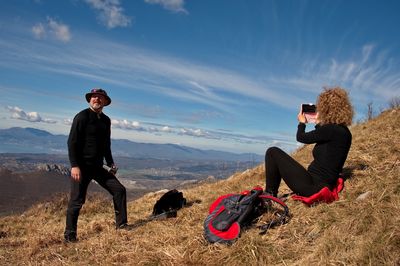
x=70 y=238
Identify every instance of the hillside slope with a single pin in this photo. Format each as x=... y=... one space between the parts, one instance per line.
x=347 y=232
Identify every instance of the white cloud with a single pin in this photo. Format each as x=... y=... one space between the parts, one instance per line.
x=52 y=28
x=39 y=31
x=67 y=121
x=18 y=113
x=59 y=30
x=171 y=5
x=166 y=129
x=195 y=132
x=125 y=124
x=111 y=13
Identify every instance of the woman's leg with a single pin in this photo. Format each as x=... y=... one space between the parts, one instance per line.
x=278 y=165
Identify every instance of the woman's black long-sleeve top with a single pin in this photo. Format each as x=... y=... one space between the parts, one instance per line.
x=89 y=141
x=333 y=143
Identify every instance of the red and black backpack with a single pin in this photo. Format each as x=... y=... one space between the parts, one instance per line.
x=231 y=212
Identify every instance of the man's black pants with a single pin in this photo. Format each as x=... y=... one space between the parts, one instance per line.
x=78 y=196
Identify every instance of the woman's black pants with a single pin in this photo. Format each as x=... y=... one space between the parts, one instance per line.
x=279 y=165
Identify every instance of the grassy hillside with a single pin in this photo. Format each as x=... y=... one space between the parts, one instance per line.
x=347 y=232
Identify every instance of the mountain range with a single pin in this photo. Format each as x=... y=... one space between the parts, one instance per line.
x=32 y=140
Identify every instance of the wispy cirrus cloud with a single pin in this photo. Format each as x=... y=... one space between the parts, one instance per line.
x=135 y=69
x=18 y=113
x=110 y=13
x=176 y=6
x=53 y=29
x=369 y=73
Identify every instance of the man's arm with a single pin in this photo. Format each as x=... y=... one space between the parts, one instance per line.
x=73 y=148
x=73 y=143
x=108 y=153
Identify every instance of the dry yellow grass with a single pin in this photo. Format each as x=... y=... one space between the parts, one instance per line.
x=346 y=232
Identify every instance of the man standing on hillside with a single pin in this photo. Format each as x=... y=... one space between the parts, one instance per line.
x=89 y=143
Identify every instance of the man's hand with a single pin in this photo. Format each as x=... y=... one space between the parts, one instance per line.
x=114 y=169
x=111 y=169
x=76 y=173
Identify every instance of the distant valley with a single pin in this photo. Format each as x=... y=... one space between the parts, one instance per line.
x=30 y=178
x=31 y=159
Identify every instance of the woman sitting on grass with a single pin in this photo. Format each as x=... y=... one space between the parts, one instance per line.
x=332 y=139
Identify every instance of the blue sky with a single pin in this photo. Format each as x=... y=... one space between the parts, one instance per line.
x=222 y=74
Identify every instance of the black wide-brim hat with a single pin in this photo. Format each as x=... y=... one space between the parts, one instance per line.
x=98 y=91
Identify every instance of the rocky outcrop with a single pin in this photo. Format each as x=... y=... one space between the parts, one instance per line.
x=54 y=168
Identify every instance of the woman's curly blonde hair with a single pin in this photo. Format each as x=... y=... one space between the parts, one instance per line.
x=334 y=107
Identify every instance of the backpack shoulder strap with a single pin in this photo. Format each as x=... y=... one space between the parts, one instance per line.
x=282 y=217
